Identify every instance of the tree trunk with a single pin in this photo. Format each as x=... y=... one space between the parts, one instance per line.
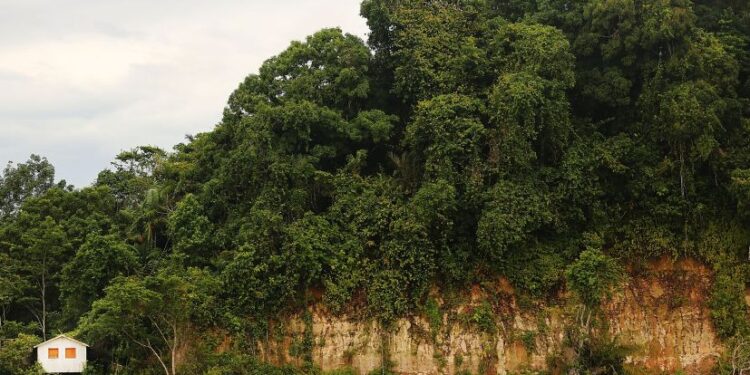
x=157 y=355
x=682 y=171
x=44 y=298
x=175 y=342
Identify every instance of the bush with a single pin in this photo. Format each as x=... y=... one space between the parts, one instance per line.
x=602 y=355
x=16 y=355
x=381 y=371
x=434 y=316
x=727 y=303
x=735 y=358
x=535 y=274
x=386 y=296
x=346 y=371
x=593 y=276
x=484 y=318
x=246 y=365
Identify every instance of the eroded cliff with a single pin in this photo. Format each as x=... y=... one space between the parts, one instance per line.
x=660 y=314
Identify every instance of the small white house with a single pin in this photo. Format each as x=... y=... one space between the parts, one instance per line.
x=61 y=354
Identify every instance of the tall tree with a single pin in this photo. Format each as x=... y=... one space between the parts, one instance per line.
x=156 y=313
x=24 y=180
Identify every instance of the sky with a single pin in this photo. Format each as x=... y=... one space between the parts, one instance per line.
x=82 y=80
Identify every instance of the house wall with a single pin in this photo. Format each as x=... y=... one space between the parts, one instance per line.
x=62 y=364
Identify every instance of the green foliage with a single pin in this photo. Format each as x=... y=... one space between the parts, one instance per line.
x=741 y=188
x=735 y=358
x=190 y=229
x=381 y=371
x=466 y=140
x=16 y=355
x=514 y=211
x=602 y=355
x=483 y=317
x=728 y=308
x=528 y=102
x=303 y=346
x=589 y=348
x=435 y=47
x=99 y=260
x=448 y=134
x=536 y=273
x=593 y=276
x=133 y=175
x=23 y=181
x=247 y=365
x=434 y=316
x=329 y=68
x=341 y=372
x=528 y=338
x=386 y=295
x=153 y=314
x=536 y=49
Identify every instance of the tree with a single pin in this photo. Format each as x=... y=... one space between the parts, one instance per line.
x=528 y=104
x=40 y=255
x=190 y=230
x=514 y=211
x=98 y=261
x=448 y=135
x=10 y=286
x=43 y=236
x=133 y=175
x=688 y=118
x=23 y=181
x=155 y=312
x=328 y=69
x=740 y=188
x=434 y=47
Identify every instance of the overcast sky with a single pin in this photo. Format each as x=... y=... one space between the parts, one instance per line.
x=81 y=80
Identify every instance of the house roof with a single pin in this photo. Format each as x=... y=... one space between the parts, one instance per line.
x=61 y=337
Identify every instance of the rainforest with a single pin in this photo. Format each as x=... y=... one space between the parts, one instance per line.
x=557 y=148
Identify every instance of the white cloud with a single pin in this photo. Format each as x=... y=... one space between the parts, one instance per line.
x=87 y=62
x=83 y=81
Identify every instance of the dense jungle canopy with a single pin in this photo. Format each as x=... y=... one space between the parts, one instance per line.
x=552 y=142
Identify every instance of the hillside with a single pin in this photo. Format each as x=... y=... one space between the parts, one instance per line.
x=491 y=186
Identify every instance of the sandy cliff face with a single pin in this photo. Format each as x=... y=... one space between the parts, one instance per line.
x=661 y=311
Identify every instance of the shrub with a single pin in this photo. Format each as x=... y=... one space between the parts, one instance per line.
x=434 y=316
x=535 y=274
x=15 y=355
x=727 y=303
x=484 y=318
x=593 y=276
